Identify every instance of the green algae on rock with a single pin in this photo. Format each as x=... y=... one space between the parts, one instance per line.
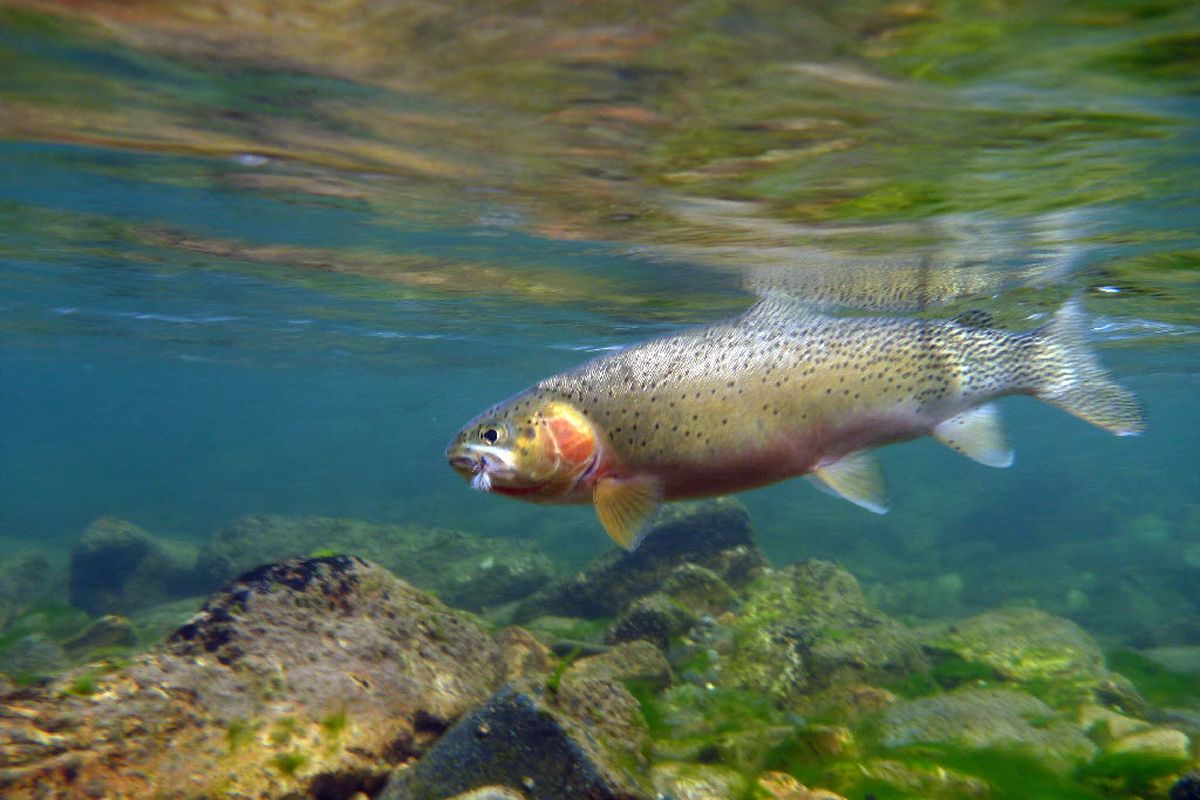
x=806 y=630
x=987 y=719
x=1050 y=656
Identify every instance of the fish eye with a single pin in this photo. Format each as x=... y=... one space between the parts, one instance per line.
x=490 y=435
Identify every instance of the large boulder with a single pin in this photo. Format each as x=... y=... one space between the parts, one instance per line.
x=988 y=719
x=1051 y=655
x=297 y=677
x=583 y=737
x=117 y=568
x=466 y=571
x=714 y=534
x=24 y=582
x=806 y=630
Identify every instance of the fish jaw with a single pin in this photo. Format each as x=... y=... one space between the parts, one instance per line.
x=481 y=464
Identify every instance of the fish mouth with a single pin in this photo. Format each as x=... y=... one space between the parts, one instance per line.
x=480 y=464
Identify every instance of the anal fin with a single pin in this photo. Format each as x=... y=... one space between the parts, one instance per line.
x=855 y=477
x=626 y=506
x=978 y=435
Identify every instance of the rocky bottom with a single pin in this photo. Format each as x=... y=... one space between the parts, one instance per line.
x=688 y=669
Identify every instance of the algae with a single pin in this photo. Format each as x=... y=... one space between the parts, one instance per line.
x=1159 y=685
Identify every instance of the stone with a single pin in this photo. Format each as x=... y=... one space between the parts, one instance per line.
x=465 y=571
x=1186 y=788
x=310 y=677
x=908 y=780
x=699 y=589
x=490 y=793
x=714 y=534
x=1029 y=646
x=1163 y=742
x=522 y=653
x=681 y=781
x=32 y=655
x=25 y=581
x=108 y=631
x=987 y=718
x=781 y=786
x=584 y=739
x=638 y=661
x=654 y=618
x=1098 y=720
x=807 y=631
x=1177 y=658
x=116 y=568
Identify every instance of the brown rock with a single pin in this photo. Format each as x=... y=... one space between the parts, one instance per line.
x=522 y=653
x=298 y=677
x=633 y=661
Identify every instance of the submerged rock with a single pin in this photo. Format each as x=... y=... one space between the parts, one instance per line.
x=987 y=718
x=1187 y=787
x=1028 y=646
x=298 y=677
x=108 y=631
x=654 y=618
x=117 y=568
x=639 y=661
x=808 y=629
x=681 y=781
x=583 y=739
x=465 y=571
x=714 y=534
x=24 y=582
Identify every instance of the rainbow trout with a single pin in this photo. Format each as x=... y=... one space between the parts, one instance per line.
x=772 y=394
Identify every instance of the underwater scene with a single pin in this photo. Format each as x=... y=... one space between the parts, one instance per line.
x=673 y=400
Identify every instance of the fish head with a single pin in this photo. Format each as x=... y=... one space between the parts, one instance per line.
x=526 y=447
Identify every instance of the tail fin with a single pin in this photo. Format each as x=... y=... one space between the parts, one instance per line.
x=1068 y=374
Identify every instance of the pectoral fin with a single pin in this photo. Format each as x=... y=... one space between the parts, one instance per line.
x=978 y=435
x=855 y=477
x=626 y=506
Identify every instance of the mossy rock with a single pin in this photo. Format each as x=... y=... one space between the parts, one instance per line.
x=808 y=629
x=1049 y=656
x=988 y=719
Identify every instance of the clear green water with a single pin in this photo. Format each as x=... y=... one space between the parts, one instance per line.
x=238 y=279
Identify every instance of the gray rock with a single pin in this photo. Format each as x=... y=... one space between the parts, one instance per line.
x=714 y=534
x=634 y=661
x=294 y=679
x=117 y=568
x=108 y=631
x=584 y=740
x=699 y=589
x=682 y=781
x=32 y=655
x=490 y=793
x=988 y=718
x=1028 y=646
x=808 y=629
x=465 y=571
x=654 y=618
x=25 y=581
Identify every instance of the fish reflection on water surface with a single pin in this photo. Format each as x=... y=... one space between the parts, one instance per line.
x=778 y=392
